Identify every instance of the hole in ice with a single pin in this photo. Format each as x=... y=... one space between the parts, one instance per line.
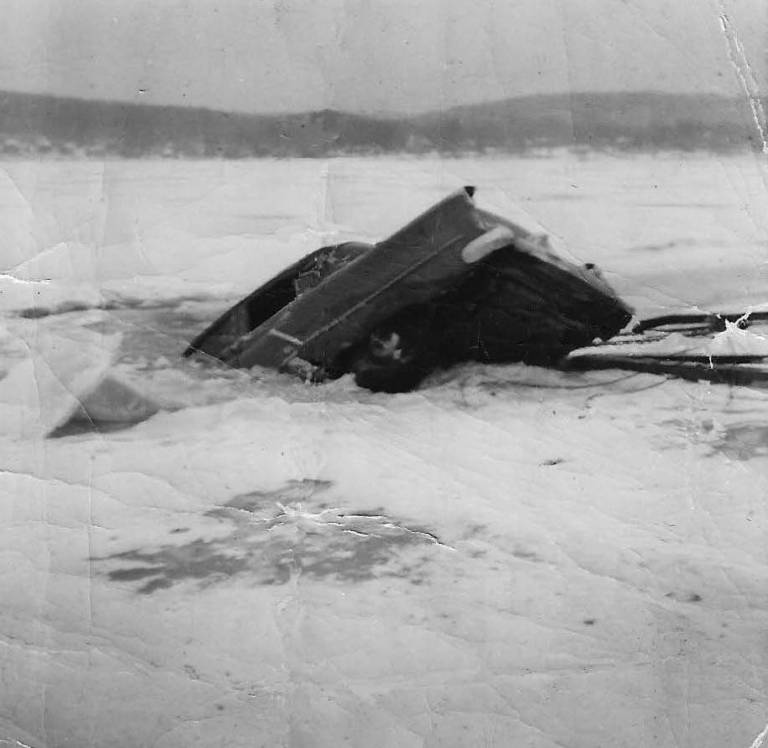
x=274 y=536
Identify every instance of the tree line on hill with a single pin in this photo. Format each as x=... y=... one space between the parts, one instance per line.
x=40 y=125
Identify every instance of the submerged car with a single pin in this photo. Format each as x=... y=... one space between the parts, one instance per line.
x=456 y=284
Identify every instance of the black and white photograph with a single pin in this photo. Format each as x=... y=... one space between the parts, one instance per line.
x=384 y=373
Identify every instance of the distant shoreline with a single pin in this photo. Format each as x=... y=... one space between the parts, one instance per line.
x=39 y=126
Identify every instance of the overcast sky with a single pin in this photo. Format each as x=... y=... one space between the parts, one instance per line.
x=373 y=55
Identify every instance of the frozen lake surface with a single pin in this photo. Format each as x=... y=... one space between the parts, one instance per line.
x=507 y=557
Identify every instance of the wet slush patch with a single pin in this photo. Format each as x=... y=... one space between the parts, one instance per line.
x=164 y=332
x=737 y=441
x=272 y=537
x=742 y=441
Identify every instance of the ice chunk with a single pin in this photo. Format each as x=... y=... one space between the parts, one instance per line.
x=67 y=379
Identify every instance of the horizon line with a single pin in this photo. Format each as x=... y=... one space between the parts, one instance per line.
x=401 y=114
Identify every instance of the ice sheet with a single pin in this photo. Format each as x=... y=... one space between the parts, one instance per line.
x=509 y=556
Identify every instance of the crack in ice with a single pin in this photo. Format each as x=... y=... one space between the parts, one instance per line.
x=295 y=512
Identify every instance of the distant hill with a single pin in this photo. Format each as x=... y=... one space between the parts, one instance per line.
x=45 y=125
x=631 y=121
